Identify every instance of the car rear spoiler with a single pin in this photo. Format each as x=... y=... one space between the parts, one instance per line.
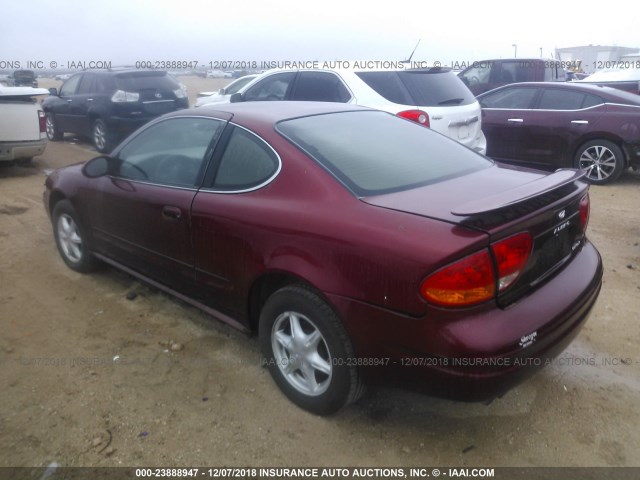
x=519 y=194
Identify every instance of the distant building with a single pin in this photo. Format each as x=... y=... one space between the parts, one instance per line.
x=596 y=57
x=632 y=58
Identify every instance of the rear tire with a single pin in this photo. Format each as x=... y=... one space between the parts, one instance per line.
x=71 y=238
x=53 y=132
x=603 y=160
x=101 y=136
x=308 y=352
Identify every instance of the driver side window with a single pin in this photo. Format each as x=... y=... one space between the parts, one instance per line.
x=274 y=87
x=69 y=87
x=172 y=152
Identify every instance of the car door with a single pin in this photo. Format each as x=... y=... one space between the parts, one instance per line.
x=82 y=102
x=224 y=216
x=141 y=212
x=64 y=108
x=551 y=129
x=503 y=116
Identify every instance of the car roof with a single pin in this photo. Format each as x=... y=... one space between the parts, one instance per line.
x=608 y=92
x=125 y=72
x=267 y=112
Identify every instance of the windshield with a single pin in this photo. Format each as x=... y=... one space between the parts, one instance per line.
x=237 y=85
x=375 y=152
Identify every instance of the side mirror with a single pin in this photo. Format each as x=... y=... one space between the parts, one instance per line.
x=221 y=91
x=53 y=91
x=236 y=97
x=98 y=167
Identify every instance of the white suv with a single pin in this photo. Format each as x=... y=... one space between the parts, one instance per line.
x=434 y=97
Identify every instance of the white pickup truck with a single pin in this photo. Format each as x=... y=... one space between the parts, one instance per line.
x=22 y=124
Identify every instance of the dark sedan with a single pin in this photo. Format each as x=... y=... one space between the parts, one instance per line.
x=360 y=246
x=556 y=125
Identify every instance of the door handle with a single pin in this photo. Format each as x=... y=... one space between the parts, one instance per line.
x=171 y=213
x=89 y=99
x=515 y=120
x=580 y=122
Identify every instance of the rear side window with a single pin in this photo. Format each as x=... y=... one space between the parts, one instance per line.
x=591 y=101
x=375 y=152
x=556 y=99
x=320 y=87
x=88 y=84
x=246 y=163
x=425 y=88
x=513 y=98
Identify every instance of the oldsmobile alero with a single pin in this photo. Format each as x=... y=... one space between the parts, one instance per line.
x=360 y=246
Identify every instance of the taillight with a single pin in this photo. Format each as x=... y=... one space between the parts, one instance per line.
x=42 y=120
x=472 y=280
x=417 y=116
x=584 y=213
x=120 y=96
x=467 y=282
x=511 y=255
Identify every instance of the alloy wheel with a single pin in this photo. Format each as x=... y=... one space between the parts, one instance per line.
x=69 y=238
x=301 y=353
x=599 y=161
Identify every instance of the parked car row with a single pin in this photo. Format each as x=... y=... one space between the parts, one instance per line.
x=524 y=124
x=20 y=78
x=432 y=97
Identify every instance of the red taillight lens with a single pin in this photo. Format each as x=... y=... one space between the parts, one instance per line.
x=511 y=255
x=472 y=280
x=417 y=116
x=42 y=120
x=584 y=213
x=466 y=282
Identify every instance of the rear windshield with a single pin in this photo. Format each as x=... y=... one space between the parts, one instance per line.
x=423 y=88
x=134 y=82
x=375 y=152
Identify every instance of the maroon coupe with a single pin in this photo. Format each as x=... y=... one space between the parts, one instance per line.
x=360 y=246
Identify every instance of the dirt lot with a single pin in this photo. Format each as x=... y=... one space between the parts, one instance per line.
x=86 y=378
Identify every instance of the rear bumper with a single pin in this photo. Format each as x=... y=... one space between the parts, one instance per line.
x=10 y=151
x=475 y=354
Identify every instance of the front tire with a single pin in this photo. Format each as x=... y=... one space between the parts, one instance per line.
x=71 y=238
x=603 y=160
x=51 y=126
x=101 y=136
x=308 y=352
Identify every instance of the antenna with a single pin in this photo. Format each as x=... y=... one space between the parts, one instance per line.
x=414 y=51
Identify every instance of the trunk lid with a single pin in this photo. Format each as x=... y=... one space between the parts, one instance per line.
x=545 y=205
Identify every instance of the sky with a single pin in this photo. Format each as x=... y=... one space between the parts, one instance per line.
x=127 y=31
